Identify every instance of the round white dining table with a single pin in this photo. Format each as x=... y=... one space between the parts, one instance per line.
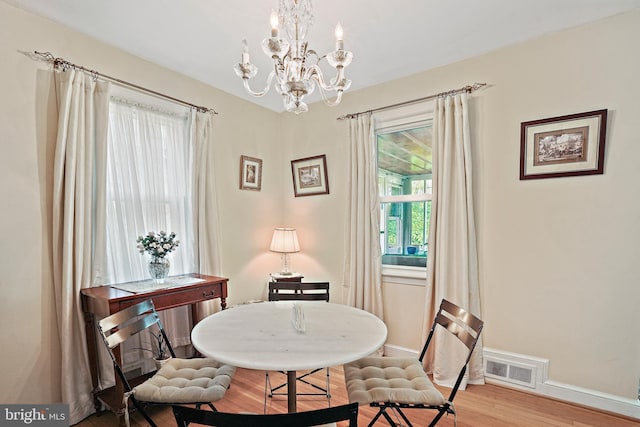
x=266 y=336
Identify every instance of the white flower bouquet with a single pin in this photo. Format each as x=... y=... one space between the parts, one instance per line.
x=157 y=245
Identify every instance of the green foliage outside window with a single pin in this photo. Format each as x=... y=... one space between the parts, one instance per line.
x=420 y=223
x=392 y=235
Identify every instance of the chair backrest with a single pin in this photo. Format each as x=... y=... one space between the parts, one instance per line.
x=185 y=415
x=460 y=323
x=298 y=291
x=120 y=326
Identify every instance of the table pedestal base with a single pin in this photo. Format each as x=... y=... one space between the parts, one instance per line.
x=291 y=391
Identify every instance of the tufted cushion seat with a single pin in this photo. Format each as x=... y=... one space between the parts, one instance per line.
x=390 y=379
x=186 y=381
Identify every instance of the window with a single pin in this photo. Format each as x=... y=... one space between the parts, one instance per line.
x=405 y=186
x=148 y=186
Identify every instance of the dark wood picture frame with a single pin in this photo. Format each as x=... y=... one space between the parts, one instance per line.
x=250 y=173
x=570 y=145
x=310 y=176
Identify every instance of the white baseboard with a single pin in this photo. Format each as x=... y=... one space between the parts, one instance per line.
x=560 y=391
x=593 y=398
x=580 y=396
x=397 y=351
x=545 y=387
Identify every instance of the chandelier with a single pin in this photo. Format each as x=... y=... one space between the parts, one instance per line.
x=296 y=68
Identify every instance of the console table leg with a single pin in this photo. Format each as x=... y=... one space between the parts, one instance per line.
x=92 y=353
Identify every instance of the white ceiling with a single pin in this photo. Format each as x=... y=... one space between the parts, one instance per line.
x=389 y=39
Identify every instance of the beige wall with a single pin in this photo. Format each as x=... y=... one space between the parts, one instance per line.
x=556 y=256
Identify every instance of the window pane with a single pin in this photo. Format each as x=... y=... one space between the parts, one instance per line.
x=404 y=233
x=404 y=161
x=418 y=226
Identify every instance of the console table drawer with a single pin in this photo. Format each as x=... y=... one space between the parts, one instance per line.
x=175 y=299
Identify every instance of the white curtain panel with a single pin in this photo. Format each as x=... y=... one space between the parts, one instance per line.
x=362 y=274
x=205 y=203
x=149 y=188
x=83 y=106
x=452 y=270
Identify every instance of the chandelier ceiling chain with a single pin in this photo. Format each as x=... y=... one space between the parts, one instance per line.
x=296 y=68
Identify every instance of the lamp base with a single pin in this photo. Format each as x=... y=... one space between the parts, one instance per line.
x=285 y=273
x=290 y=276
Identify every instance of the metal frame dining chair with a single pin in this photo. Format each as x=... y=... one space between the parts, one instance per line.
x=319 y=417
x=195 y=381
x=300 y=291
x=397 y=383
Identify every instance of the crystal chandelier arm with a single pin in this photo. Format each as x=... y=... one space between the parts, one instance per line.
x=315 y=72
x=314 y=53
x=324 y=88
x=335 y=101
x=245 y=81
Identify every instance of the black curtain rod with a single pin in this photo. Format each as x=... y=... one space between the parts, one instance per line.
x=467 y=89
x=65 y=65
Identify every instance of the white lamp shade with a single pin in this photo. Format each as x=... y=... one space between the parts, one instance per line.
x=285 y=240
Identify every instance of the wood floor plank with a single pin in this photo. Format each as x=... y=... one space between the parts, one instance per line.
x=477 y=406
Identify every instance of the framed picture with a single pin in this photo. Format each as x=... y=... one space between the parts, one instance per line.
x=250 y=173
x=310 y=176
x=569 y=145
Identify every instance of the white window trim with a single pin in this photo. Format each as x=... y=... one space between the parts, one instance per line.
x=404 y=275
x=403 y=116
x=424 y=197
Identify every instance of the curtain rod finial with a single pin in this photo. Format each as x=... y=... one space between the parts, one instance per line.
x=37 y=56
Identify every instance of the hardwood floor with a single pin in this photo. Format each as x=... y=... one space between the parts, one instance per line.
x=478 y=406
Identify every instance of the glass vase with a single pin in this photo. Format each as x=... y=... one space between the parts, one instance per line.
x=159 y=268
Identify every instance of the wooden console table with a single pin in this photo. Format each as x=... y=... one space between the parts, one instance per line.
x=102 y=301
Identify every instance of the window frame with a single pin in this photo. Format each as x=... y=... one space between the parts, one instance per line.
x=413 y=115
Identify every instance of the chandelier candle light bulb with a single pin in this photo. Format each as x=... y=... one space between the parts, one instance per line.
x=245 y=52
x=339 y=37
x=274 y=24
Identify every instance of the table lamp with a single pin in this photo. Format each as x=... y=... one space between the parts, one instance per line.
x=285 y=241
